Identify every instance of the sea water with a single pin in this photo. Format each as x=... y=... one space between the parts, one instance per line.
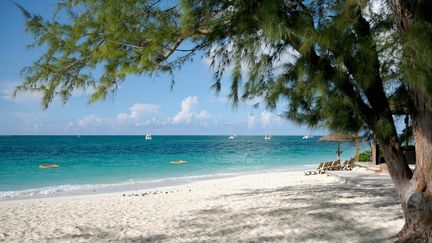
x=108 y=163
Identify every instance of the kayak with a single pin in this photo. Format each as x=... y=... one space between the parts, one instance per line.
x=48 y=166
x=179 y=162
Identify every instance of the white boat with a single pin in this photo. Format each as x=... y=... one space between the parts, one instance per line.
x=232 y=137
x=148 y=136
x=308 y=136
x=267 y=137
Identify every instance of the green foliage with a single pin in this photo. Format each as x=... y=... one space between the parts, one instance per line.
x=417 y=60
x=365 y=156
x=133 y=37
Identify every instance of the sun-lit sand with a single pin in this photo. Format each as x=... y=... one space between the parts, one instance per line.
x=283 y=206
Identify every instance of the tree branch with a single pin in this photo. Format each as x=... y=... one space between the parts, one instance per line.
x=170 y=51
x=302 y=6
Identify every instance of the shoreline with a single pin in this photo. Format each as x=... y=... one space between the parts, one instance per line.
x=136 y=184
x=272 y=206
x=159 y=188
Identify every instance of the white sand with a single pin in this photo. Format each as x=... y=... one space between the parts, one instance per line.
x=284 y=206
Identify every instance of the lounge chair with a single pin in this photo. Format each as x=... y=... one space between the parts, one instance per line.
x=332 y=165
x=335 y=165
x=344 y=164
x=314 y=172
x=326 y=166
x=349 y=165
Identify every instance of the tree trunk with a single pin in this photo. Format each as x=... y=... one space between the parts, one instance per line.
x=396 y=163
x=415 y=190
x=374 y=151
x=357 y=141
x=417 y=196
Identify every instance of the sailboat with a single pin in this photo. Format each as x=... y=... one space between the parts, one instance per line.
x=232 y=137
x=308 y=136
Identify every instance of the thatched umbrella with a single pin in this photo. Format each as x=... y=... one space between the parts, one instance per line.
x=337 y=137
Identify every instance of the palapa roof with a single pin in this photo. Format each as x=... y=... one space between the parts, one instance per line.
x=337 y=137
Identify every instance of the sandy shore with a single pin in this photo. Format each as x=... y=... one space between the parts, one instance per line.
x=285 y=206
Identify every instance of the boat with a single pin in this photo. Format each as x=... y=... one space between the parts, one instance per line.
x=179 y=162
x=148 y=136
x=232 y=137
x=267 y=137
x=49 y=166
x=308 y=136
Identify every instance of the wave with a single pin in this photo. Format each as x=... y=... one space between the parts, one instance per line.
x=131 y=184
x=40 y=191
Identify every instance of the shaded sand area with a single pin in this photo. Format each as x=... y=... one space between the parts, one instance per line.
x=284 y=206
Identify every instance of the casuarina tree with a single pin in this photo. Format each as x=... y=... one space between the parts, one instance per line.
x=338 y=64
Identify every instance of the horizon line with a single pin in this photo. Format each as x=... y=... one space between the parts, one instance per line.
x=137 y=135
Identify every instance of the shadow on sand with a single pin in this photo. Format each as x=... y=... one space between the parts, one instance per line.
x=334 y=212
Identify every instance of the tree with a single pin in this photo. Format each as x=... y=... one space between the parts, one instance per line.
x=334 y=63
x=414 y=22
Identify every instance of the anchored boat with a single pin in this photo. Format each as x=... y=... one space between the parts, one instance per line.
x=49 y=166
x=179 y=162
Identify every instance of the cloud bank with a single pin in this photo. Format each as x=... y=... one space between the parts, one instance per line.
x=189 y=112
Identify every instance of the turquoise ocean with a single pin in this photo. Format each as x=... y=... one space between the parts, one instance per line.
x=94 y=164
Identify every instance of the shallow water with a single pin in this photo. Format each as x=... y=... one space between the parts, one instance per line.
x=100 y=161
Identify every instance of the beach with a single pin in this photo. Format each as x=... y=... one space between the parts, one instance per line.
x=273 y=206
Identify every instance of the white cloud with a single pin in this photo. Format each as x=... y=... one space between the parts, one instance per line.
x=251 y=120
x=141 y=118
x=185 y=114
x=135 y=112
x=152 y=122
x=90 y=121
x=136 y=116
x=267 y=118
x=188 y=111
x=203 y=115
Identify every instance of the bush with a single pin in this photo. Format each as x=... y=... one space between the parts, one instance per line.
x=365 y=156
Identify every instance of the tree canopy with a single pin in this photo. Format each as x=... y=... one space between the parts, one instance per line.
x=321 y=57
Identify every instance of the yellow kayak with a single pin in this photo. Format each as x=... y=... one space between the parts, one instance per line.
x=49 y=166
x=179 y=162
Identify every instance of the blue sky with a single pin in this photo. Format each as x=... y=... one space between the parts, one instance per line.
x=142 y=104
